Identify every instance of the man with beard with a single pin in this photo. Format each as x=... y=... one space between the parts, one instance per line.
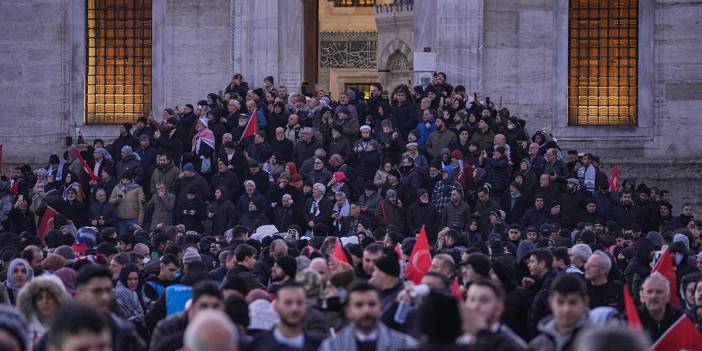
x=289 y=332
x=366 y=332
x=422 y=213
x=284 y=270
x=166 y=172
x=656 y=314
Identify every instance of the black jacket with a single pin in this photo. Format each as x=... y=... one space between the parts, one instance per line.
x=284 y=147
x=516 y=210
x=266 y=342
x=656 y=329
x=539 y=306
x=610 y=294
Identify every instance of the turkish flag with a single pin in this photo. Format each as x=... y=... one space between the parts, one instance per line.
x=47 y=222
x=86 y=168
x=632 y=316
x=339 y=253
x=456 y=290
x=420 y=258
x=251 y=127
x=614 y=180
x=665 y=267
x=682 y=335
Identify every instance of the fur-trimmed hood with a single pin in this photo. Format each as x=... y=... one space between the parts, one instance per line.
x=50 y=283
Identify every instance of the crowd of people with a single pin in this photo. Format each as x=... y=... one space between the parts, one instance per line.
x=186 y=232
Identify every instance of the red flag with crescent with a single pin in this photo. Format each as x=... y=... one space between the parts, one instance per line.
x=47 y=222
x=420 y=258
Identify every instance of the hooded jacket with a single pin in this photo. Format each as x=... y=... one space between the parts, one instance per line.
x=640 y=266
x=26 y=305
x=552 y=339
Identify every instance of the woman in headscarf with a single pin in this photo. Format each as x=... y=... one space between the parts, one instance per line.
x=19 y=273
x=75 y=210
x=101 y=160
x=203 y=147
x=68 y=277
x=71 y=182
x=131 y=162
x=36 y=194
x=128 y=293
x=38 y=301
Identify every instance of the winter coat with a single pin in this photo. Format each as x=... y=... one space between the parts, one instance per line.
x=387 y=214
x=167 y=176
x=549 y=338
x=225 y=216
x=256 y=198
x=420 y=214
x=27 y=306
x=439 y=139
x=319 y=213
x=196 y=183
x=539 y=306
x=162 y=209
x=131 y=164
x=497 y=173
x=406 y=116
x=129 y=203
x=653 y=328
x=76 y=212
x=22 y=220
x=191 y=221
x=284 y=217
x=229 y=181
x=533 y=217
x=626 y=215
x=514 y=208
x=484 y=140
x=304 y=150
x=105 y=211
x=284 y=147
x=456 y=216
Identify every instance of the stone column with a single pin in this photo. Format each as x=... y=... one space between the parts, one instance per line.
x=425 y=35
x=267 y=40
x=290 y=43
x=459 y=28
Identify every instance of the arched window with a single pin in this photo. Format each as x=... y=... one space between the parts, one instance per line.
x=602 y=62
x=118 y=62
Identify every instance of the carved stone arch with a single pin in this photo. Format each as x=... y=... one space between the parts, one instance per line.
x=395 y=45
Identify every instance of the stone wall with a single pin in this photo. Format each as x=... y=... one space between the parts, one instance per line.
x=266 y=40
x=33 y=78
x=196 y=50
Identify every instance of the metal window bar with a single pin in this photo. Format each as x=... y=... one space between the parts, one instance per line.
x=118 y=65
x=353 y=3
x=602 y=62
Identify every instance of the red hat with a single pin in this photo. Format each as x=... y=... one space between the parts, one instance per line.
x=457 y=154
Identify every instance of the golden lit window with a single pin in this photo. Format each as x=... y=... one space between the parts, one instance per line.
x=602 y=62
x=362 y=87
x=118 y=66
x=353 y=3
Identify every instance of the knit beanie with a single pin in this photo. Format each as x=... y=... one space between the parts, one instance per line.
x=480 y=264
x=389 y=265
x=288 y=265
